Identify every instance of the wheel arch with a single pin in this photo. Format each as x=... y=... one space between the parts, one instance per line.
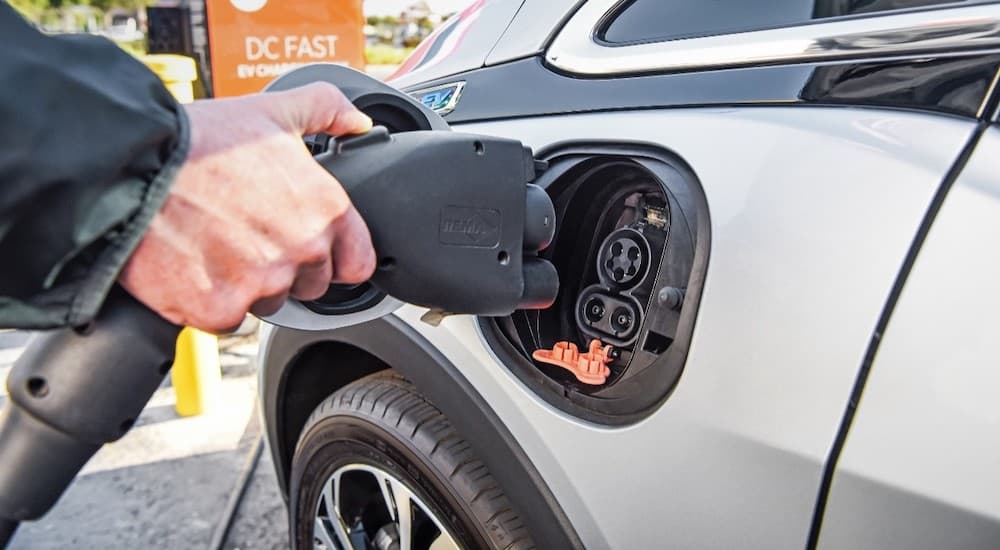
x=299 y=369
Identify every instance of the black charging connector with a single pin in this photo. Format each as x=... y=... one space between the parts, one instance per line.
x=454 y=220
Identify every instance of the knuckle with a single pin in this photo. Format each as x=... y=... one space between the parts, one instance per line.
x=229 y=319
x=310 y=291
x=312 y=282
x=214 y=316
x=313 y=252
x=327 y=94
x=228 y=307
x=274 y=282
x=267 y=307
x=356 y=269
x=337 y=204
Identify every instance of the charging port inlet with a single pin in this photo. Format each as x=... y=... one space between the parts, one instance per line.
x=632 y=227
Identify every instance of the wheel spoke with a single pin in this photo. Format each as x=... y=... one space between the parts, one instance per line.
x=444 y=542
x=402 y=497
x=329 y=500
x=322 y=534
x=385 y=483
x=398 y=501
x=331 y=497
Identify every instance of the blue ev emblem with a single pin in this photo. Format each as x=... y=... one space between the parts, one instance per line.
x=440 y=99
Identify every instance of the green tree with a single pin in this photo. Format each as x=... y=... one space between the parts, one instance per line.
x=105 y=5
x=31 y=9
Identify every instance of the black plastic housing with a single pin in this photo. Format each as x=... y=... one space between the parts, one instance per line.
x=71 y=391
x=447 y=214
x=456 y=225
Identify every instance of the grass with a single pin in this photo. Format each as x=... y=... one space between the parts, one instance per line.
x=136 y=48
x=384 y=54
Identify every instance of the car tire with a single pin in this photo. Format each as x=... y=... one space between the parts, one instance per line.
x=381 y=424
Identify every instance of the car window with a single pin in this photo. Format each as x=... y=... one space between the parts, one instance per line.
x=658 y=20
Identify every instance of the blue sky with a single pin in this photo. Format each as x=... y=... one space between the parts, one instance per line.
x=393 y=7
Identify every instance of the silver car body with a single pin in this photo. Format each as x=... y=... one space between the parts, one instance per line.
x=840 y=261
x=804 y=253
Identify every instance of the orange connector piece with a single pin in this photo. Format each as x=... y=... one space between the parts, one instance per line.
x=589 y=368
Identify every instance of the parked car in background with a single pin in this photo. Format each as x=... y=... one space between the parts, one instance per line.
x=783 y=219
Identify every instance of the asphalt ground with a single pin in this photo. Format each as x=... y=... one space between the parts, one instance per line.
x=167 y=482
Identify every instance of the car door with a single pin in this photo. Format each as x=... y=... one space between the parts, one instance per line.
x=919 y=466
x=819 y=138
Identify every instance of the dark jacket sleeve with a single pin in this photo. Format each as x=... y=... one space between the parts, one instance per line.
x=90 y=141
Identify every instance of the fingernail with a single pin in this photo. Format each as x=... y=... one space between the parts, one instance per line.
x=361 y=121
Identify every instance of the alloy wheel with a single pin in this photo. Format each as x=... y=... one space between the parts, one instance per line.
x=363 y=507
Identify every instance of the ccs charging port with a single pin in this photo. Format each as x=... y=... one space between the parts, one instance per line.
x=618 y=320
x=623 y=319
x=594 y=310
x=631 y=230
x=624 y=258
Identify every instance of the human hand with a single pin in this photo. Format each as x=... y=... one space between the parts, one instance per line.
x=251 y=218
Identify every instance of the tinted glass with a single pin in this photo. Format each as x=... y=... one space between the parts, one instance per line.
x=655 y=20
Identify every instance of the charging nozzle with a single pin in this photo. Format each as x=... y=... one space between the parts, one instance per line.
x=455 y=221
x=541 y=284
x=539 y=219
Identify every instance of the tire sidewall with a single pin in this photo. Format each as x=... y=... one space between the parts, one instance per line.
x=340 y=439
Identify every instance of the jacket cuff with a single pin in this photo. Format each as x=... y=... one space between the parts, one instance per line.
x=93 y=290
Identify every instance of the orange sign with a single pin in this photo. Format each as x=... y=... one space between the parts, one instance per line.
x=253 y=41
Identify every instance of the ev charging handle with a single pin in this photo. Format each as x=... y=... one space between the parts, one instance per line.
x=456 y=228
x=456 y=225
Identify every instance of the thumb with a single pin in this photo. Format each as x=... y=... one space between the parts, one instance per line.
x=319 y=107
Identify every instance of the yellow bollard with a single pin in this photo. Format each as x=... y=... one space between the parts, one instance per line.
x=196 y=374
x=177 y=73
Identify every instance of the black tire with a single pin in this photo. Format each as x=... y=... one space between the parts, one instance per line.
x=381 y=420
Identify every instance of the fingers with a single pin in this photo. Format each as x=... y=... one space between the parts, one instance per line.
x=268 y=305
x=319 y=108
x=312 y=280
x=353 y=254
x=212 y=254
x=219 y=307
x=352 y=260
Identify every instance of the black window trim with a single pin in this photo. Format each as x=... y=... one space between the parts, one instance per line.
x=609 y=18
x=937 y=31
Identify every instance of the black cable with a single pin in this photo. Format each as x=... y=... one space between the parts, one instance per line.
x=236 y=497
x=7 y=528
